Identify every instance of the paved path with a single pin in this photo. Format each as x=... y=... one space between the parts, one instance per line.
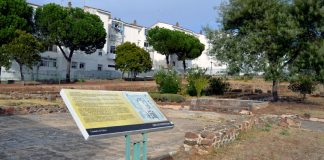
x=55 y=136
x=314 y=126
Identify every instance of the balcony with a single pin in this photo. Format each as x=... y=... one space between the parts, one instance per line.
x=111 y=56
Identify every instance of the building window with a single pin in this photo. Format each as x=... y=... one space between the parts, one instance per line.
x=146 y=44
x=74 y=65
x=145 y=32
x=48 y=62
x=112 y=49
x=82 y=65
x=99 y=67
x=52 y=48
x=111 y=66
x=100 y=53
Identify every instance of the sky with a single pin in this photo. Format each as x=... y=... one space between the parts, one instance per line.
x=191 y=14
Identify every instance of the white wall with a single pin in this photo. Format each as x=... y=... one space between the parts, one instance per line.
x=132 y=33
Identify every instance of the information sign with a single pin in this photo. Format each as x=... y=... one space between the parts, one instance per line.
x=114 y=113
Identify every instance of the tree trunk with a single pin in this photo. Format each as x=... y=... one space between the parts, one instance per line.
x=22 y=78
x=275 y=85
x=68 y=60
x=167 y=60
x=68 y=71
x=134 y=75
x=184 y=66
x=0 y=74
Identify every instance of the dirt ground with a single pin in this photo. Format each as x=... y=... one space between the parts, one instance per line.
x=277 y=143
x=312 y=106
x=92 y=85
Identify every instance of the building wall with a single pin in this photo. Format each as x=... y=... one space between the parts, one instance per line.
x=204 y=61
x=86 y=66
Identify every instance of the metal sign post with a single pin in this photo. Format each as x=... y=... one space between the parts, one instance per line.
x=136 y=148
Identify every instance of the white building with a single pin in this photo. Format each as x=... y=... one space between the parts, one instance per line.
x=204 y=61
x=101 y=64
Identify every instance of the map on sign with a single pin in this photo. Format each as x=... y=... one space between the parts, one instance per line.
x=113 y=113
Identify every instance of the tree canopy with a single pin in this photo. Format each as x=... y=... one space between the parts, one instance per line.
x=72 y=28
x=168 y=42
x=188 y=47
x=131 y=58
x=269 y=36
x=24 y=49
x=14 y=14
x=162 y=41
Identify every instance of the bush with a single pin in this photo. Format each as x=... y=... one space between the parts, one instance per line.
x=167 y=97
x=200 y=84
x=168 y=81
x=302 y=85
x=217 y=86
x=196 y=77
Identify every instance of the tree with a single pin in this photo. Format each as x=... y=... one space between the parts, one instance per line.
x=24 y=49
x=131 y=58
x=162 y=41
x=187 y=47
x=168 y=42
x=261 y=36
x=71 y=28
x=14 y=14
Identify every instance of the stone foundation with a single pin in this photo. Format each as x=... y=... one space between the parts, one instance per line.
x=225 y=105
x=39 y=109
x=216 y=136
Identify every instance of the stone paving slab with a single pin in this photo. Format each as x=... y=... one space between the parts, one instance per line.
x=56 y=136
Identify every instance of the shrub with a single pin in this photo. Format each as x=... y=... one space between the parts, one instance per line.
x=168 y=81
x=302 y=85
x=196 y=77
x=217 y=86
x=167 y=97
x=200 y=83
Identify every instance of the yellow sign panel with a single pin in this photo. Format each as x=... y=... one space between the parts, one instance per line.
x=102 y=108
x=113 y=112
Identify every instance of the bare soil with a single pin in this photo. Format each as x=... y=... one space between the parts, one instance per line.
x=277 y=144
x=312 y=106
x=92 y=85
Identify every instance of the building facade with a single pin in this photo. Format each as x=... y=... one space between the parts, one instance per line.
x=101 y=64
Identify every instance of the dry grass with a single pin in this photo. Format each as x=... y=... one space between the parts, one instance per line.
x=276 y=144
x=312 y=106
x=28 y=102
x=92 y=85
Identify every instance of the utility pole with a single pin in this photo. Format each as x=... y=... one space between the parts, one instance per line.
x=211 y=67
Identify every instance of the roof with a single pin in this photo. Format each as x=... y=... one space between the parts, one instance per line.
x=98 y=9
x=177 y=27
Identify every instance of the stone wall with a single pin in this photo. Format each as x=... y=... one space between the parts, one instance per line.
x=37 y=109
x=225 y=105
x=216 y=136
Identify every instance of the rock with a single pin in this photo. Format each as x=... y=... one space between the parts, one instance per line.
x=187 y=147
x=191 y=135
x=190 y=142
x=207 y=135
x=206 y=142
x=245 y=112
x=286 y=122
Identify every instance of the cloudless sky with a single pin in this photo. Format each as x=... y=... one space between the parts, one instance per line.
x=191 y=14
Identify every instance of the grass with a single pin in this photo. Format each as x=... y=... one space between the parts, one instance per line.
x=28 y=102
x=276 y=144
